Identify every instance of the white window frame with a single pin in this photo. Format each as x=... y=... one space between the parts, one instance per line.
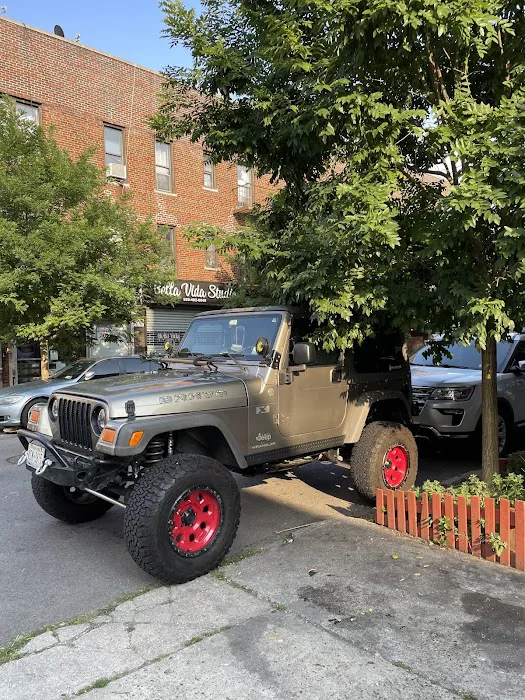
x=244 y=186
x=171 y=240
x=21 y=107
x=208 y=168
x=212 y=250
x=122 y=155
x=168 y=168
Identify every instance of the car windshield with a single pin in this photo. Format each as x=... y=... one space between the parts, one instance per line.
x=463 y=357
x=73 y=371
x=236 y=334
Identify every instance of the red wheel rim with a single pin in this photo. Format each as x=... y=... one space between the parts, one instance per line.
x=395 y=466
x=195 y=521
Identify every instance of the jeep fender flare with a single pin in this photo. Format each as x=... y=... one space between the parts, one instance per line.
x=360 y=408
x=164 y=424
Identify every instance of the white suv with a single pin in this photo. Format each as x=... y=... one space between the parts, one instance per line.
x=446 y=397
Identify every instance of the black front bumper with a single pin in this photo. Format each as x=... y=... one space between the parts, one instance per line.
x=68 y=468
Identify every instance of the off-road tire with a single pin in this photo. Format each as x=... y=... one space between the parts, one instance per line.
x=369 y=453
x=147 y=516
x=55 y=501
x=24 y=416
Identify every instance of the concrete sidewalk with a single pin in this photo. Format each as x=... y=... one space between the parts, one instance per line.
x=325 y=613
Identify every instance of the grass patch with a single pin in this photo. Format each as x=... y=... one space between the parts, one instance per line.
x=100 y=683
x=199 y=637
x=219 y=575
x=466 y=695
x=11 y=652
x=236 y=558
x=280 y=607
x=401 y=664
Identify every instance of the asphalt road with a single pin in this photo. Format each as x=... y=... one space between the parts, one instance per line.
x=51 y=571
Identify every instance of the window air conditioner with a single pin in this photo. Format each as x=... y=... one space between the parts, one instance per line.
x=116 y=170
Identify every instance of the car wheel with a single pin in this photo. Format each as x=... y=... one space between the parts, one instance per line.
x=182 y=517
x=67 y=503
x=504 y=434
x=24 y=416
x=385 y=457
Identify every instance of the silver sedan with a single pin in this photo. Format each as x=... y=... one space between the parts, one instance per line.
x=16 y=401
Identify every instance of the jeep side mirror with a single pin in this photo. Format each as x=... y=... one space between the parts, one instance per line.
x=304 y=354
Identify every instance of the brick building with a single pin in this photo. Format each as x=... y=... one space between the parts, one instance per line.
x=94 y=99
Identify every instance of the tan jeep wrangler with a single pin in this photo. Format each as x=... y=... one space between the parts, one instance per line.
x=246 y=392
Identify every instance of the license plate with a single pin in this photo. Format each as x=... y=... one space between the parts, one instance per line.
x=35 y=455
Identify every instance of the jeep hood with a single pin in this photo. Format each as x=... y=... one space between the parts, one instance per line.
x=439 y=376
x=165 y=392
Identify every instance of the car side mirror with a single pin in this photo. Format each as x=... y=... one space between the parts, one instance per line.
x=304 y=354
x=521 y=365
x=89 y=375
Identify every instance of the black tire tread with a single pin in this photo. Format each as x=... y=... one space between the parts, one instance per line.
x=51 y=498
x=369 y=449
x=149 y=492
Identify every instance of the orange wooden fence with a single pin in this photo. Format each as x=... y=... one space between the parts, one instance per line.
x=480 y=528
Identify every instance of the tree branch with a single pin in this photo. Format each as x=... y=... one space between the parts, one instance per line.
x=439 y=81
x=502 y=52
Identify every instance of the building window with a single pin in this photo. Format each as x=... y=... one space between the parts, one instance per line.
x=209 y=172
x=28 y=111
x=168 y=234
x=244 y=186
x=211 y=258
x=163 y=166
x=113 y=145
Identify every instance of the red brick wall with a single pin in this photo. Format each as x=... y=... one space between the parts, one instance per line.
x=79 y=89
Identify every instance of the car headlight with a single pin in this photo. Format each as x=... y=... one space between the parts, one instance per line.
x=8 y=400
x=101 y=418
x=452 y=393
x=53 y=409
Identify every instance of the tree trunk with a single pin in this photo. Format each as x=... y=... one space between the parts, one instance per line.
x=44 y=359
x=489 y=411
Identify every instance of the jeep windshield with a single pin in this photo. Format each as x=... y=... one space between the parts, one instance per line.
x=236 y=334
x=463 y=357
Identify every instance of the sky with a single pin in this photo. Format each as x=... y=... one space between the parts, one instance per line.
x=129 y=29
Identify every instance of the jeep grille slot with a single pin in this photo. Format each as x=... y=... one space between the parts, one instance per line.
x=74 y=422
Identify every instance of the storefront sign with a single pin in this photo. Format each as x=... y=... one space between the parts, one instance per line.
x=191 y=292
x=161 y=337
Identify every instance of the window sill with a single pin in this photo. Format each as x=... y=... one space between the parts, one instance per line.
x=211 y=269
x=168 y=194
x=210 y=189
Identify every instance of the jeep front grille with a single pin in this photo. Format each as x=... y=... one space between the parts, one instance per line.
x=74 y=420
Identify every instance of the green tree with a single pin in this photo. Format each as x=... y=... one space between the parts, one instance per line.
x=398 y=130
x=69 y=255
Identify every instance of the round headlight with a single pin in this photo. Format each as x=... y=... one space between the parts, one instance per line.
x=101 y=418
x=53 y=409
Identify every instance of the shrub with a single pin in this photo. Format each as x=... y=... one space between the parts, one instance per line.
x=510 y=486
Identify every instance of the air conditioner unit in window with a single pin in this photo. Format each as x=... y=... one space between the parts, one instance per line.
x=116 y=170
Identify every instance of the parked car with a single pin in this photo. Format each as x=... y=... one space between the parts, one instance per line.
x=446 y=396
x=17 y=401
x=247 y=393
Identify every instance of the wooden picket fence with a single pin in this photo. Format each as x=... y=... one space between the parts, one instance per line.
x=474 y=528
